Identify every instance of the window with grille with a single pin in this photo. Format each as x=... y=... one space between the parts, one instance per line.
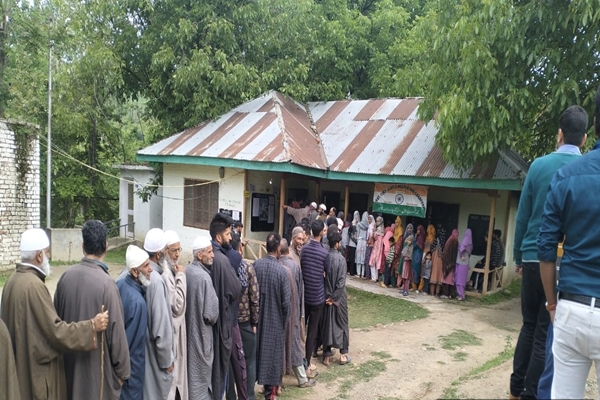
x=200 y=203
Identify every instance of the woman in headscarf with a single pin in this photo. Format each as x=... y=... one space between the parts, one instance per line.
x=377 y=254
x=352 y=242
x=417 y=258
x=429 y=239
x=449 y=264
x=437 y=273
x=407 y=257
x=400 y=248
x=370 y=243
x=398 y=232
x=361 y=247
x=389 y=233
x=465 y=248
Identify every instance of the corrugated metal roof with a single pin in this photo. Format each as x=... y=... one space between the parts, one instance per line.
x=376 y=137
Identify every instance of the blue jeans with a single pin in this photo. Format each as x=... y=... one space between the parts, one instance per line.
x=545 y=383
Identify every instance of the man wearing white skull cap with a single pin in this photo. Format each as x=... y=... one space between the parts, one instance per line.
x=159 y=341
x=201 y=315
x=38 y=335
x=174 y=277
x=132 y=290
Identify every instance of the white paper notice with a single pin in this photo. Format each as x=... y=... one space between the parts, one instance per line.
x=236 y=215
x=255 y=207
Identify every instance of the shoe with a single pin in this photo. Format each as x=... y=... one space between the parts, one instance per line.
x=308 y=384
x=443 y=297
x=312 y=373
x=405 y=293
x=416 y=291
x=511 y=397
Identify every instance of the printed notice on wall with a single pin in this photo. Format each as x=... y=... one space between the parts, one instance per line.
x=255 y=207
x=271 y=217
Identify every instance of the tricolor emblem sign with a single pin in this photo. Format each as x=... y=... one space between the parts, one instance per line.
x=400 y=199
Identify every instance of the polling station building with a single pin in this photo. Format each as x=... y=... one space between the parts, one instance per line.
x=360 y=155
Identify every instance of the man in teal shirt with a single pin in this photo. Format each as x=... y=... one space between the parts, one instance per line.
x=529 y=358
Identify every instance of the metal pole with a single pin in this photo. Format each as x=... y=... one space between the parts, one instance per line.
x=49 y=154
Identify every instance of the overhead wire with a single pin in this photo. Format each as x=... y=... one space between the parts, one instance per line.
x=63 y=153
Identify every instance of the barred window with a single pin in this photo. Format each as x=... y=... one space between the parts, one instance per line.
x=200 y=203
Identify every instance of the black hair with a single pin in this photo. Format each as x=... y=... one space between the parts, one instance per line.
x=219 y=224
x=428 y=254
x=235 y=243
x=317 y=227
x=334 y=210
x=573 y=123
x=95 y=235
x=238 y=224
x=331 y=221
x=333 y=236
x=597 y=114
x=273 y=242
x=498 y=232
x=392 y=239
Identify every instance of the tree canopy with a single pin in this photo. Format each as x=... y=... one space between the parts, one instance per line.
x=494 y=74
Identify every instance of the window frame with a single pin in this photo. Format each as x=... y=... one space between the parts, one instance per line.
x=195 y=202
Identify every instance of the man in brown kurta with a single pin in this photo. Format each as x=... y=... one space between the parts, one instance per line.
x=81 y=292
x=9 y=384
x=38 y=335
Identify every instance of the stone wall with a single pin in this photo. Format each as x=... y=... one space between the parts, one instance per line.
x=19 y=187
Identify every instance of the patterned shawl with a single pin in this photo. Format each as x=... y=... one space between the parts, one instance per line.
x=421 y=237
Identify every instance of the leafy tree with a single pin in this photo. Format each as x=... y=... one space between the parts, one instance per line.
x=499 y=73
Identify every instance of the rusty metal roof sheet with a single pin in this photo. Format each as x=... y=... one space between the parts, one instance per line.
x=375 y=137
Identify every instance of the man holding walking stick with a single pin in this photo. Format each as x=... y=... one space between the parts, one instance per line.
x=81 y=292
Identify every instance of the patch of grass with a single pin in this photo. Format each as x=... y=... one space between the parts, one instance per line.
x=369 y=309
x=460 y=356
x=507 y=354
x=441 y=362
x=116 y=256
x=4 y=275
x=61 y=263
x=382 y=355
x=348 y=375
x=508 y=292
x=292 y=393
x=459 y=338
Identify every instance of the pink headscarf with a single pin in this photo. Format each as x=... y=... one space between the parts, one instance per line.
x=389 y=232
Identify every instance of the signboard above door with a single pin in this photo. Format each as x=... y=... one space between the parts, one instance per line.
x=400 y=199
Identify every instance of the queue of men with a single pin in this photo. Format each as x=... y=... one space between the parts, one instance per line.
x=206 y=331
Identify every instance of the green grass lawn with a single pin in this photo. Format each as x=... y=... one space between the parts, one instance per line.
x=116 y=256
x=368 y=309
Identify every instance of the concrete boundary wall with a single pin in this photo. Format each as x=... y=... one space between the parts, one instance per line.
x=65 y=244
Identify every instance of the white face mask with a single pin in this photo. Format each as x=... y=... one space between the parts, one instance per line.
x=45 y=266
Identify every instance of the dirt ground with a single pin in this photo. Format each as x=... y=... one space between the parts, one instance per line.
x=406 y=360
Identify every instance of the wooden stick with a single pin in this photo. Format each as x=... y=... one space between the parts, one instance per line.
x=102 y=362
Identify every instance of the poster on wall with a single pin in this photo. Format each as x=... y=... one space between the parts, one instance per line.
x=400 y=199
x=263 y=212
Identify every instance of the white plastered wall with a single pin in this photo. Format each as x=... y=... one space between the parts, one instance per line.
x=231 y=196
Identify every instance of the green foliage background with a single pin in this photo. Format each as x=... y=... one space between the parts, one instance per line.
x=494 y=73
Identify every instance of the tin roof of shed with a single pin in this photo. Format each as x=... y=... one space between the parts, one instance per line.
x=380 y=137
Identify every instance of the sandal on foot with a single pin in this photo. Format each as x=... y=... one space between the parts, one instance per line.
x=325 y=361
x=308 y=384
x=312 y=374
x=348 y=360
